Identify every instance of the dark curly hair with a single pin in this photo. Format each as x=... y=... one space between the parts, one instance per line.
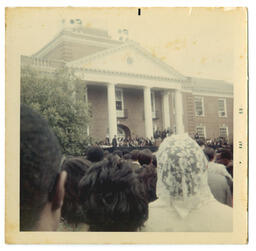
x=40 y=158
x=112 y=197
x=76 y=168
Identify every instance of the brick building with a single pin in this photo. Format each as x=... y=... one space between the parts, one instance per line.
x=132 y=92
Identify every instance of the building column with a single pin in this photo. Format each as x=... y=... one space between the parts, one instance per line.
x=112 y=121
x=179 y=112
x=148 y=113
x=166 y=110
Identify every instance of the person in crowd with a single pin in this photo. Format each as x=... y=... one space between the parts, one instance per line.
x=185 y=202
x=95 y=154
x=154 y=161
x=214 y=167
x=200 y=142
x=219 y=180
x=42 y=183
x=112 y=197
x=134 y=157
x=119 y=153
x=71 y=212
x=145 y=157
x=114 y=141
x=225 y=157
x=148 y=176
x=127 y=156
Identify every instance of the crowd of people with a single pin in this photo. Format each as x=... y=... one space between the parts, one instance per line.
x=159 y=136
x=126 y=142
x=183 y=187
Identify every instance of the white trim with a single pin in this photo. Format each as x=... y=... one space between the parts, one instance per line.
x=225 y=108
x=61 y=37
x=123 y=78
x=220 y=95
x=133 y=45
x=202 y=101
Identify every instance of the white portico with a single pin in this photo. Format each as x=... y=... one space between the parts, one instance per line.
x=130 y=66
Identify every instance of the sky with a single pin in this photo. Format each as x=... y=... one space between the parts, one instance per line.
x=197 y=42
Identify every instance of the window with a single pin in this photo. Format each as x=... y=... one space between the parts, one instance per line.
x=119 y=102
x=201 y=131
x=199 y=106
x=222 y=107
x=153 y=104
x=224 y=132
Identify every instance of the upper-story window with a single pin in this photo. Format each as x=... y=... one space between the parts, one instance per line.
x=222 y=107
x=153 y=104
x=119 y=102
x=224 y=132
x=199 y=106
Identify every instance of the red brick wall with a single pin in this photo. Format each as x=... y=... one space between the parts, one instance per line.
x=211 y=119
x=134 y=103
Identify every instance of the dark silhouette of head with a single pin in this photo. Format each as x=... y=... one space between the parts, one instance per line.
x=154 y=161
x=127 y=156
x=41 y=180
x=71 y=210
x=145 y=157
x=224 y=157
x=148 y=176
x=112 y=197
x=135 y=154
x=209 y=153
x=119 y=153
x=95 y=154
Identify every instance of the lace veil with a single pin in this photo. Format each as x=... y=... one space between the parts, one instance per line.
x=182 y=174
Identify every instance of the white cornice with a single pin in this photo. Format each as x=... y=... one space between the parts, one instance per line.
x=78 y=38
x=213 y=94
x=132 y=44
x=128 y=74
x=124 y=78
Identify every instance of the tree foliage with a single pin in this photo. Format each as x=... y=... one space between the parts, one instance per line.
x=59 y=98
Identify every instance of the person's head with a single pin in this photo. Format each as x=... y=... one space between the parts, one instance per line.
x=119 y=153
x=201 y=143
x=209 y=153
x=145 y=157
x=224 y=157
x=95 y=154
x=148 y=175
x=41 y=180
x=135 y=154
x=112 y=197
x=182 y=171
x=71 y=210
x=154 y=161
x=127 y=156
x=105 y=153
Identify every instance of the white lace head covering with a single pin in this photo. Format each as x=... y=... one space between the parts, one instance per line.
x=182 y=174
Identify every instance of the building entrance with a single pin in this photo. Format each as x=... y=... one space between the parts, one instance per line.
x=123 y=131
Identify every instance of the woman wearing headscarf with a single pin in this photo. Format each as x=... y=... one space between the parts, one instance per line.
x=185 y=202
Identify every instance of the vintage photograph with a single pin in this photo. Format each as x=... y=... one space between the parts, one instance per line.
x=127 y=119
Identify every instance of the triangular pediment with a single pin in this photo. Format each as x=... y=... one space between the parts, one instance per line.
x=127 y=58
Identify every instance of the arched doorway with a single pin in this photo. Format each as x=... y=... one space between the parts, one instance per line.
x=123 y=131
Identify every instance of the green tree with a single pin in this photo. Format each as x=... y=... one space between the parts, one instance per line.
x=60 y=98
